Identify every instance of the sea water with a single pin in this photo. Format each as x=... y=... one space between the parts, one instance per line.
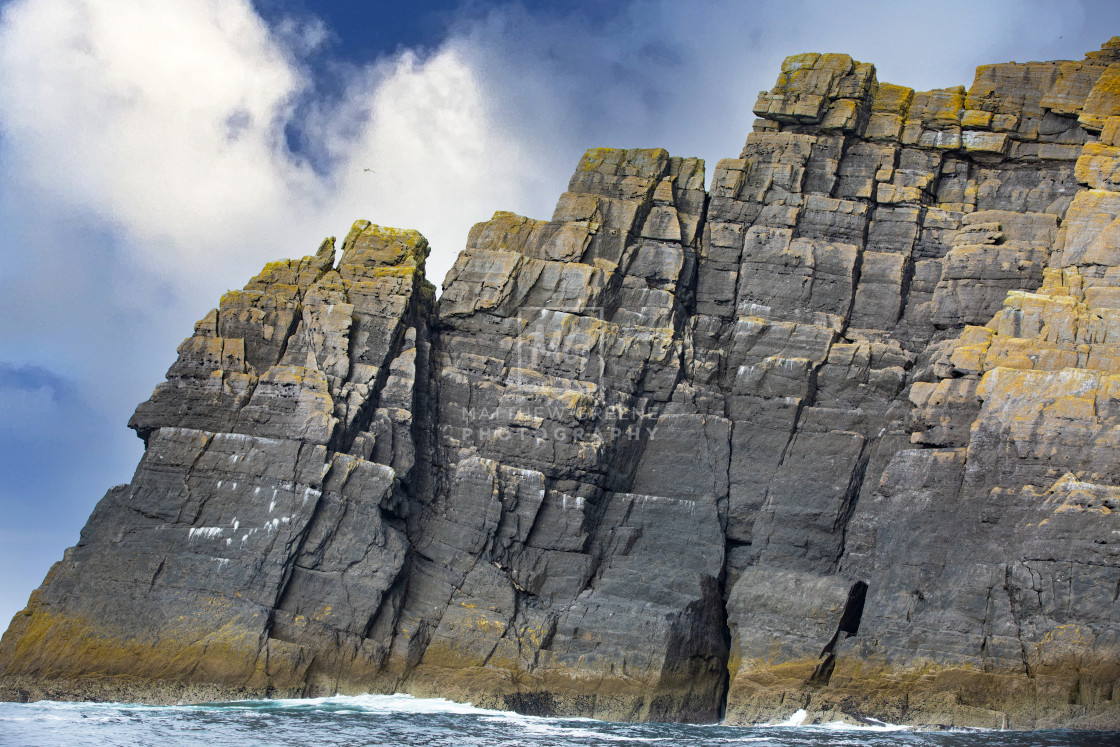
x=402 y=720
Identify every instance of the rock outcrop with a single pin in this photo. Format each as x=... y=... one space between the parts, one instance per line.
x=840 y=433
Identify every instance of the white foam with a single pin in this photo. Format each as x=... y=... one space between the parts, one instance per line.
x=398 y=703
x=552 y=729
x=539 y=726
x=401 y=703
x=797 y=719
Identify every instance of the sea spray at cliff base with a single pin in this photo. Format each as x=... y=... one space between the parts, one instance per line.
x=873 y=370
x=398 y=719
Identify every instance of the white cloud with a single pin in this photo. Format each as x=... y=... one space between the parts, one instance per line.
x=158 y=117
x=437 y=158
x=302 y=36
x=165 y=122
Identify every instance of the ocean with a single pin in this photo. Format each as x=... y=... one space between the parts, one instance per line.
x=375 y=720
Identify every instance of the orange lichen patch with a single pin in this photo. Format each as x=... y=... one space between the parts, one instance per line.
x=1098 y=166
x=187 y=649
x=504 y=229
x=1029 y=355
x=985 y=142
x=976 y=119
x=1071 y=494
x=804 y=61
x=812 y=84
x=1110 y=135
x=293 y=276
x=542 y=239
x=391 y=272
x=466 y=638
x=766 y=673
x=1071 y=409
x=256 y=302
x=1074 y=83
x=892 y=99
x=1103 y=101
x=922 y=691
x=1071 y=324
x=938 y=106
x=533 y=635
x=370 y=245
x=595 y=158
x=647 y=162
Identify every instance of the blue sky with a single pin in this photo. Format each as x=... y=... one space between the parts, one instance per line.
x=155 y=154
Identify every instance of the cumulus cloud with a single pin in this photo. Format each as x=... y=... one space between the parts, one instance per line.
x=159 y=118
x=146 y=162
x=427 y=152
x=165 y=122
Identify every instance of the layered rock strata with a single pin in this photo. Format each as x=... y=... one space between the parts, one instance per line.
x=839 y=433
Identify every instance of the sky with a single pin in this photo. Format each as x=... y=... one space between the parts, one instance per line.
x=156 y=153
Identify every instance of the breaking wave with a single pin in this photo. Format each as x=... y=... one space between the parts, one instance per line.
x=396 y=720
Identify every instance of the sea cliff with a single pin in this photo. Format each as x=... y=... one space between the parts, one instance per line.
x=840 y=432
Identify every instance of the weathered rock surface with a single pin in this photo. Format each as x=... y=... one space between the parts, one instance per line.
x=840 y=433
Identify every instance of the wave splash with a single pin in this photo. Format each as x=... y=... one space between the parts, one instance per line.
x=436 y=722
x=797 y=719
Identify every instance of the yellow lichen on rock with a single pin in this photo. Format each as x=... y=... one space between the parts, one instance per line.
x=1103 y=100
x=371 y=245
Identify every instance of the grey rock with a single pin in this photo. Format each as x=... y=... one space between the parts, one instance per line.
x=839 y=433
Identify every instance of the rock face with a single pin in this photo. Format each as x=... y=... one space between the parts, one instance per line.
x=841 y=433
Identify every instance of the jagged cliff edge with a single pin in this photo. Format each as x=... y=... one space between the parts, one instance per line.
x=842 y=433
